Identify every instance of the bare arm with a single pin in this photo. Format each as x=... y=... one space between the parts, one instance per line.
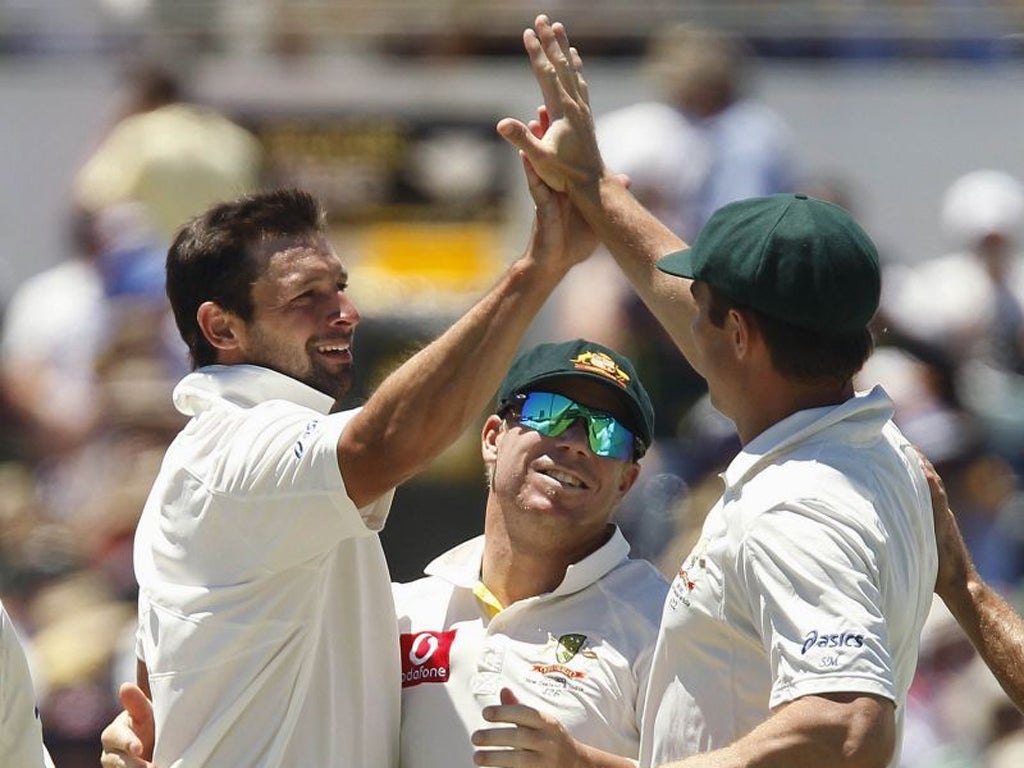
x=567 y=158
x=994 y=628
x=841 y=730
x=421 y=408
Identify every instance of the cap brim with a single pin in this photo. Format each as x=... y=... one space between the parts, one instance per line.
x=678 y=263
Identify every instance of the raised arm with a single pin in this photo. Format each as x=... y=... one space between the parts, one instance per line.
x=421 y=408
x=993 y=626
x=567 y=158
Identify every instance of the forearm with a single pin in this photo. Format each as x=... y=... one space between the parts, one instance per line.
x=844 y=731
x=995 y=629
x=421 y=408
x=637 y=240
x=595 y=758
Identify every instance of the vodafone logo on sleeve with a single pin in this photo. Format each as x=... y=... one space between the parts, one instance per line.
x=425 y=657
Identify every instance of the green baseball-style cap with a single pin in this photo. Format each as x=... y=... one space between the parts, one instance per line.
x=583 y=359
x=795 y=258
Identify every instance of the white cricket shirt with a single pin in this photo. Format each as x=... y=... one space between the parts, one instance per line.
x=265 y=611
x=581 y=653
x=21 y=735
x=813 y=574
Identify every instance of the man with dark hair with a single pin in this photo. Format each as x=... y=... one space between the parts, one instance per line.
x=266 y=624
x=790 y=633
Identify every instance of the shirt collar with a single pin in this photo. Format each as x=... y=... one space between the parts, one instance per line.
x=244 y=386
x=860 y=418
x=461 y=565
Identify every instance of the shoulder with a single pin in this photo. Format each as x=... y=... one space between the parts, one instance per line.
x=416 y=601
x=636 y=588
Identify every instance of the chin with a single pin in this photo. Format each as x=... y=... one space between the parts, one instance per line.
x=333 y=385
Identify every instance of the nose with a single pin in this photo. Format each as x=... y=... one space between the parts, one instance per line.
x=575 y=437
x=346 y=314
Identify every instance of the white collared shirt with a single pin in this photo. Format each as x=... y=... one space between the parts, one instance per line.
x=581 y=653
x=265 y=613
x=813 y=574
x=21 y=735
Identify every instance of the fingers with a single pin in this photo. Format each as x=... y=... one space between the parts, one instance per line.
x=554 y=43
x=577 y=65
x=507 y=697
x=517 y=134
x=119 y=737
x=135 y=702
x=543 y=72
x=539 y=191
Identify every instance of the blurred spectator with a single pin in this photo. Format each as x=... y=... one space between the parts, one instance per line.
x=61 y=321
x=53 y=330
x=704 y=73
x=969 y=303
x=982 y=486
x=706 y=141
x=172 y=156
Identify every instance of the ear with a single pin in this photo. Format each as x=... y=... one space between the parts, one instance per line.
x=742 y=330
x=219 y=327
x=489 y=439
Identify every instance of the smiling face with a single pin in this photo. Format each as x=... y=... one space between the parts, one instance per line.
x=555 y=491
x=303 y=320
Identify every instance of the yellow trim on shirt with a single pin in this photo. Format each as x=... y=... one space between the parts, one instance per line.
x=487 y=598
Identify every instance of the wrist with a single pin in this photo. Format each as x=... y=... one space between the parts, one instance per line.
x=535 y=270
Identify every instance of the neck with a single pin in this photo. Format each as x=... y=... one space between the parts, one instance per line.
x=780 y=398
x=514 y=570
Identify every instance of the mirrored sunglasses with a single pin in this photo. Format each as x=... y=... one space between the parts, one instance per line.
x=552 y=414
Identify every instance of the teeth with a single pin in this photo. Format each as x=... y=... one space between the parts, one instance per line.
x=565 y=478
x=332 y=349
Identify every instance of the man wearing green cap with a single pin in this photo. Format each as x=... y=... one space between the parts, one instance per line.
x=789 y=635
x=544 y=620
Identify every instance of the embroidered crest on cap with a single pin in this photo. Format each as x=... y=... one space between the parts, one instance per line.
x=601 y=363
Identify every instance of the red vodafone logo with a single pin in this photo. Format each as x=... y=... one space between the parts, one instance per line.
x=425 y=657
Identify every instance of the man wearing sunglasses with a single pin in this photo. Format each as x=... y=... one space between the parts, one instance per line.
x=790 y=633
x=546 y=604
x=544 y=621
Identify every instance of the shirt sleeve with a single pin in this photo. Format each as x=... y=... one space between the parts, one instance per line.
x=279 y=481
x=812 y=582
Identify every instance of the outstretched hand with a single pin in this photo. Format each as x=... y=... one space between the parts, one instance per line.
x=565 y=156
x=559 y=227
x=128 y=740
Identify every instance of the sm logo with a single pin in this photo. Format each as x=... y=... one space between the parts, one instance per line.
x=425 y=657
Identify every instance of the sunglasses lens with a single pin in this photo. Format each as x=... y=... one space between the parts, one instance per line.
x=548 y=413
x=609 y=438
x=551 y=414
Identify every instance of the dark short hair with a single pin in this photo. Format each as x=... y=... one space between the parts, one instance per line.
x=217 y=257
x=798 y=353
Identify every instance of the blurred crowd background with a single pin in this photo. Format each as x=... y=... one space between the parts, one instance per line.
x=120 y=119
